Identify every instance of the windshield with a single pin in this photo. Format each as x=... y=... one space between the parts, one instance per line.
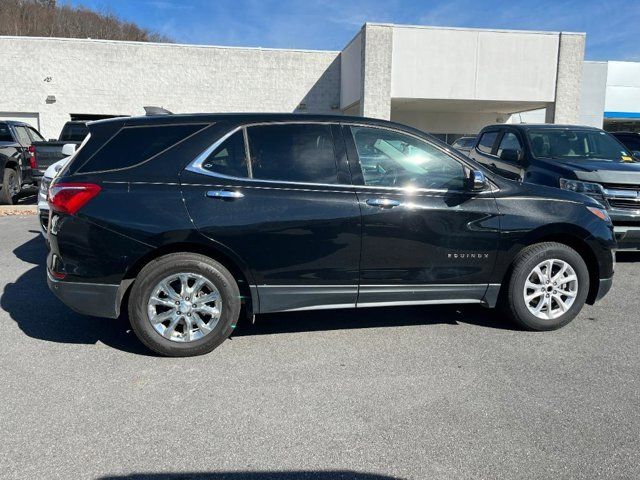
x=570 y=144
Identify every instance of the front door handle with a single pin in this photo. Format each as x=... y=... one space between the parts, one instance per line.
x=383 y=202
x=225 y=194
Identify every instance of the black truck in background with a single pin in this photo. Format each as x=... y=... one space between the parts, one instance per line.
x=17 y=159
x=48 y=153
x=581 y=159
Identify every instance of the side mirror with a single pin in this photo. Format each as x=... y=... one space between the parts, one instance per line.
x=476 y=181
x=636 y=153
x=68 y=149
x=511 y=155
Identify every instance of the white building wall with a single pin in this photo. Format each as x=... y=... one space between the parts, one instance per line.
x=447 y=63
x=351 y=73
x=593 y=95
x=623 y=88
x=119 y=78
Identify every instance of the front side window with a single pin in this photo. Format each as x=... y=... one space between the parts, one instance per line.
x=509 y=142
x=574 y=144
x=486 y=141
x=229 y=158
x=292 y=153
x=392 y=159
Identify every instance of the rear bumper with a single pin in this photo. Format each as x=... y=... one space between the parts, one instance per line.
x=627 y=238
x=98 y=300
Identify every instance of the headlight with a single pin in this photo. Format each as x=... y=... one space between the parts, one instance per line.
x=581 y=187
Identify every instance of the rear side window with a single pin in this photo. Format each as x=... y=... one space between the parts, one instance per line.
x=292 y=153
x=5 y=134
x=486 y=141
x=229 y=158
x=134 y=145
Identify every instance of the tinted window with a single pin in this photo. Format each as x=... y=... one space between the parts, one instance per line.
x=23 y=136
x=631 y=142
x=294 y=153
x=5 y=134
x=486 y=141
x=133 y=145
x=392 y=159
x=561 y=143
x=509 y=142
x=74 y=132
x=228 y=158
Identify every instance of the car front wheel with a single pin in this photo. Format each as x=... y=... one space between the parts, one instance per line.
x=548 y=286
x=184 y=304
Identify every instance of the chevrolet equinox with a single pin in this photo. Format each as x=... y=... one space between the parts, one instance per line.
x=191 y=221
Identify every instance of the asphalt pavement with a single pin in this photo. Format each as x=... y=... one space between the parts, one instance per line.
x=413 y=393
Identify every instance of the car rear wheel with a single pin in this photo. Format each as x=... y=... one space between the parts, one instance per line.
x=184 y=304
x=548 y=286
x=10 y=187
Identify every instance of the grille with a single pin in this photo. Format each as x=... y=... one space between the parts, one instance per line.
x=621 y=186
x=626 y=204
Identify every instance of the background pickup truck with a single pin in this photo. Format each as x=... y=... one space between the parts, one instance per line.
x=48 y=153
x=17 y=160
x=586 y=160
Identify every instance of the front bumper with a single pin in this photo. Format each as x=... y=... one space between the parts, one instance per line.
x=603 y=288
x=98 y=300
x=627 y=238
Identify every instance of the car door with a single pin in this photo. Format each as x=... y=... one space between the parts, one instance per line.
x=425 y=237
x=278 y=196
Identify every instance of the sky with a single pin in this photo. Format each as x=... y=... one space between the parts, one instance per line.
x=611 y=25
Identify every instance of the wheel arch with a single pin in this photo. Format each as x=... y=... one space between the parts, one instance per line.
x=572 y=236
x=228 y=260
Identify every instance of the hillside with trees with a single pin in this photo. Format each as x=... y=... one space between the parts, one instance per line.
x=47 y=18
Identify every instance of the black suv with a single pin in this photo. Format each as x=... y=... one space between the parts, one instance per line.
x=189 y=220
x=581 y=159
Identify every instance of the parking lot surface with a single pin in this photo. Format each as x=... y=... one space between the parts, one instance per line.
x=412 y=393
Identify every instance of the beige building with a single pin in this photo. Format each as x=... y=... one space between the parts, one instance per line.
x=446 y=81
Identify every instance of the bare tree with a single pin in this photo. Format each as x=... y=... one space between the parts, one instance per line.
x=46 y=18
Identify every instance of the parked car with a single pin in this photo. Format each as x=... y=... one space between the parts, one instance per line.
x=210 y=215
x=16 y=159
x=631 y=140
x=464 y=144
x=45 y=182
x=581 y=159
x=46 y=154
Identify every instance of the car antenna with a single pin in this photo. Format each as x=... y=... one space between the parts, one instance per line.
x=156 y=111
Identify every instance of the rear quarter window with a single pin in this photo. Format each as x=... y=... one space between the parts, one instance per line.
x=134 y=145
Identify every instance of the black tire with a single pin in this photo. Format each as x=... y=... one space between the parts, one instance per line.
x=513 y=301
x=7 y=196
x=166 y=266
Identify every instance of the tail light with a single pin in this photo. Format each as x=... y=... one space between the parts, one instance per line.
x=32 y=157
x=70 y=197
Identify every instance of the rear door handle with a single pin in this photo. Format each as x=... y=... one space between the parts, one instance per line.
x=225 y=194
x=382 y=202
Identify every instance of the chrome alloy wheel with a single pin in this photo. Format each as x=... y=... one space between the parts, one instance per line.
x=551 y=289
x=184 y=307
